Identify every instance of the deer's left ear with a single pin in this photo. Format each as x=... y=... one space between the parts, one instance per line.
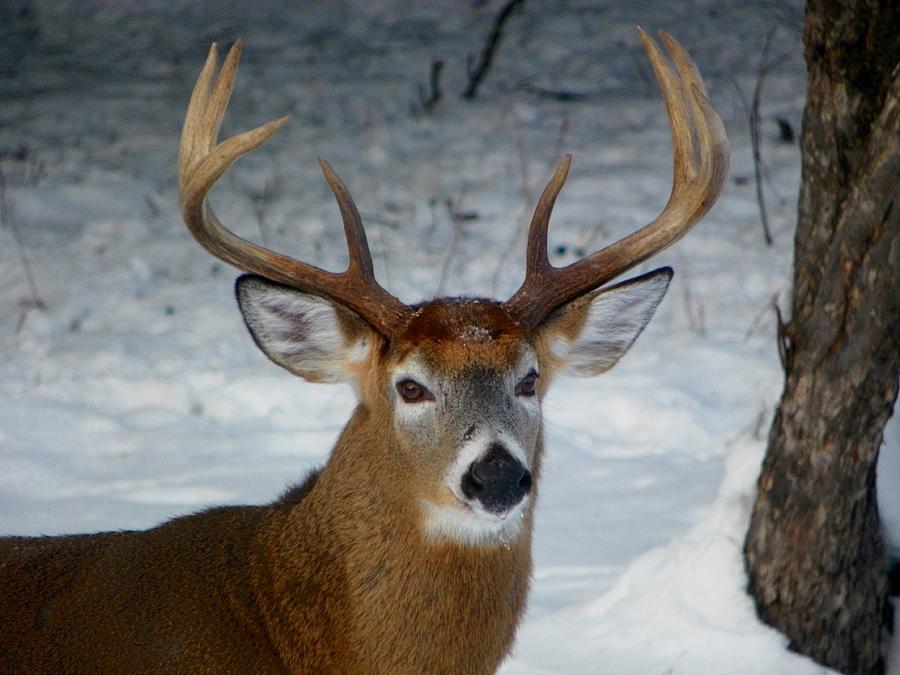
x=590 y=334
x=310 y=336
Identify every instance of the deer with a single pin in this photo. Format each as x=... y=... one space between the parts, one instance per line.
x=409 y=551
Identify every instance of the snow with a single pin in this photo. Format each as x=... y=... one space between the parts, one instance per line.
x=138 y=395
x=676 y=608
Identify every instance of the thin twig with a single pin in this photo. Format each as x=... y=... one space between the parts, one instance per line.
x=764 y=68
x=785 y=344
x=526 y=193
x=755 y=428
x=452 y=248
x=757 y=320
x=527 y=198
x=7 y=220
x=260 y=199
x=692 y=309
x=563 y=95
x=754 y=138
x=435 y=94
x=598 y=232
x=373 y=189
x=432 y=227
x=490 y=47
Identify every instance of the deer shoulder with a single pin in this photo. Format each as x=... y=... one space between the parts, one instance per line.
x=410 y=550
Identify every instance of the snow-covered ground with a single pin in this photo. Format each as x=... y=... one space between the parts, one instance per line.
x=137 y=395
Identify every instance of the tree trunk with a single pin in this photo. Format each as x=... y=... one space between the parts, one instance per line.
x=814 y=551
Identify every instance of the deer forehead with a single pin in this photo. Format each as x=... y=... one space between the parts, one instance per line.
x=450 y=336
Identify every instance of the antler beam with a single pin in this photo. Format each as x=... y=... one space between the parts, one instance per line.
x=700 y=164
x=201 y=162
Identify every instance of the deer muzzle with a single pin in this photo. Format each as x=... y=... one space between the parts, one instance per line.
x=498 y=481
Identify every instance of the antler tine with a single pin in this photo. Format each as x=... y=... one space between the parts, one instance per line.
x=201 y=162
x=357 y=244
x=700 y=163
x=536 y=260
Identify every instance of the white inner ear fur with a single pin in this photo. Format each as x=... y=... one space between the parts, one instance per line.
x=300 y=332
x=614 y=319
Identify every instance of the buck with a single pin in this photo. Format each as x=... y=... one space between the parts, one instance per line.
x=409 y=551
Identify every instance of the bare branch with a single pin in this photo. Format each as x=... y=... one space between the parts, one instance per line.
x=752 y=108
x=785 y=344
x=7 y=220
x=699 y=162
x=434 y=82
x=490 y=47
x=760 y=315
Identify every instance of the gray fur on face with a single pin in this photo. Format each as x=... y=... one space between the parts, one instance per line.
x=479 y=400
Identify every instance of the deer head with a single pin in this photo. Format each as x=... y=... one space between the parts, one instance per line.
x=455 y=383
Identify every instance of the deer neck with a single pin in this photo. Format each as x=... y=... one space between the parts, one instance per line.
x=354 y=550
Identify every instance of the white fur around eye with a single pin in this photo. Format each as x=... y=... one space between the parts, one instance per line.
x=531 y=404
x=527 y=363
x=412 y=414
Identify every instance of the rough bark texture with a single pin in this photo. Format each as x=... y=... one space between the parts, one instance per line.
x=814 y=551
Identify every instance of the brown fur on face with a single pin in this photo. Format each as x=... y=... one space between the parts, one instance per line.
x=473 y=353
x=343 y=574
x=334 y=578
x=461 y=321
x=369 y=567
x=450 y=333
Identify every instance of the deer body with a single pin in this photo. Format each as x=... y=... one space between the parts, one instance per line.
x=304 y=585
x=131 y=602
x=410 y=550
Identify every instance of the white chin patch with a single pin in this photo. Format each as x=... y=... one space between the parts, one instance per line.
x=472 y=525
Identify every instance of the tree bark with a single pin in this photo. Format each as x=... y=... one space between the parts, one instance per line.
x=814 y=551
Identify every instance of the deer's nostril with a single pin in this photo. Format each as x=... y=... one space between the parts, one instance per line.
x=472 y=484
x=525 y=481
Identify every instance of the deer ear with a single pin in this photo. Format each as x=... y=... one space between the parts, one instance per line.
x=308 y=335
x=589 y=335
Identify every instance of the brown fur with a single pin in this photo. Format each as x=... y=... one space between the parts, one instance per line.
x=335 y=577
x=339 y=575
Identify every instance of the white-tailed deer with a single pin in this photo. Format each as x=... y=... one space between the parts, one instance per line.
x=409 y=551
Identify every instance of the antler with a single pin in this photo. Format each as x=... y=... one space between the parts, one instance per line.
x=700 y=158
x=201 y=162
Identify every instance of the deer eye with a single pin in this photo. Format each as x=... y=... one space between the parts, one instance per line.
x=527 y=385
x=413 y=392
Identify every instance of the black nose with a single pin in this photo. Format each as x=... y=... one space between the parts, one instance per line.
x=498 y=480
